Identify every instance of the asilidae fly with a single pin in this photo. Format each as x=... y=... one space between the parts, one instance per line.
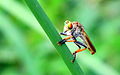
x=74 y=30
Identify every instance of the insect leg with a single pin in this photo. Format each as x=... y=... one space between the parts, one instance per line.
x=64 y=40
x=79 y=43
x=63 y=34
x=70 y=41
x=74 y=54
x=79 y=50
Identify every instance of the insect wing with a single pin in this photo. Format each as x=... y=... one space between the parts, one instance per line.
x=89 y=43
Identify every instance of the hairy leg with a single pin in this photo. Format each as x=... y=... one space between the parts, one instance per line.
x=79 y=50
x=74 y=54
x=65 y=40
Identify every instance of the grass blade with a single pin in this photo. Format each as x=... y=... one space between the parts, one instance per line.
x=53 y=36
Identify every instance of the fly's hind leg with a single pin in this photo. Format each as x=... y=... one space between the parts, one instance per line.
x=74 y=54
x=79 y=50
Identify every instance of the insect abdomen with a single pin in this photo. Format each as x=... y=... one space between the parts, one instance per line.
x=90 y=45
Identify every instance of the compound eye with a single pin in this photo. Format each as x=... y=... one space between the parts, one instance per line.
x=66 y=22
x=70 y=26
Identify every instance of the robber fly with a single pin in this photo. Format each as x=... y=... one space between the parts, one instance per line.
x=74 y=30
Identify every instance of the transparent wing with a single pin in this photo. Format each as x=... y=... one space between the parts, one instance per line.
x=88 y=43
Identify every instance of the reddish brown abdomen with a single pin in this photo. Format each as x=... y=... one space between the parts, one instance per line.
x=90 y=45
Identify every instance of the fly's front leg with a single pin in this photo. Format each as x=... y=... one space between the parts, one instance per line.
x=64 y=40
x=63 y=33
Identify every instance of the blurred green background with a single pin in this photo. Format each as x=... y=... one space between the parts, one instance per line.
x=26 y=50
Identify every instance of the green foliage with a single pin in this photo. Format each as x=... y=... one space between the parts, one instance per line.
x=25 y=48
